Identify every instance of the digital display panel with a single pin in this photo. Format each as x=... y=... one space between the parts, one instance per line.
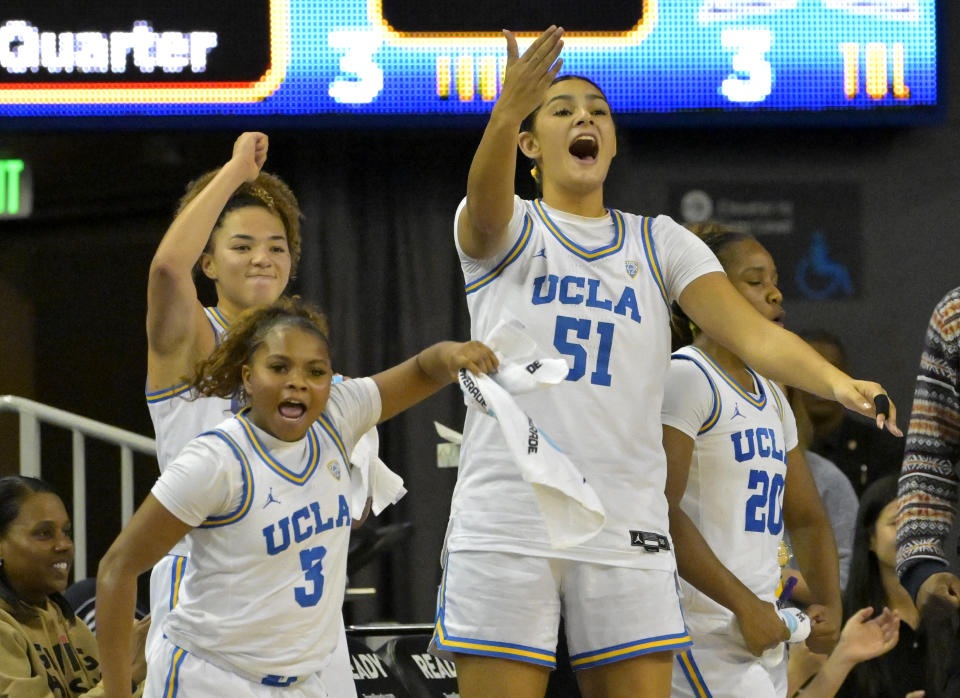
x=311 y=62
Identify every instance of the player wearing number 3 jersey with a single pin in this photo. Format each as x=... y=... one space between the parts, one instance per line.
x=265 y=498
x=594 y=285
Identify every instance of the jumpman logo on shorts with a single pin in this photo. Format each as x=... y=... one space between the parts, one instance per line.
x=737 y=412
x=270 y=499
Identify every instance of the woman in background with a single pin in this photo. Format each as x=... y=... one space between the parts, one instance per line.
x=44 y=649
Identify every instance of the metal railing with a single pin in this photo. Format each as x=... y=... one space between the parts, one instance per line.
x=32 y=414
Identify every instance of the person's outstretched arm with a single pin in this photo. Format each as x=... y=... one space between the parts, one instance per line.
x=815 y=549
x=422 y=375
x=490 y=183
x=718 y=309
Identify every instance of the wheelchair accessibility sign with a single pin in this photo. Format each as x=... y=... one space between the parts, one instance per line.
x=812 y=230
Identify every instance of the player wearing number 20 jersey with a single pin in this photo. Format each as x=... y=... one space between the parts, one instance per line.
x=734 y=494
x=596 y=291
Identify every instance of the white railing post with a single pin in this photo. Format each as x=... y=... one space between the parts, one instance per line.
x=126 y=485
x=79 y=507
x=29 y=445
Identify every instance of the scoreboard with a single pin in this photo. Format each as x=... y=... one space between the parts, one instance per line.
x=422 y=62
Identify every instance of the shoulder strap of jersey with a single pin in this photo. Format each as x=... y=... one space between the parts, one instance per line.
x=717 y=407
x=247 y=496
x=522 y=241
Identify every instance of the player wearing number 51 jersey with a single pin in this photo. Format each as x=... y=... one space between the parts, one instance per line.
x=595 y=285
x=596 y=291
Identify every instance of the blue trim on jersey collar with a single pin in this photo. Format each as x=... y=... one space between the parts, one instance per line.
x=776 y=396
x=324 y=423
x=759 y=401
x=313 y=452
x=589 y=255
x=511 y=257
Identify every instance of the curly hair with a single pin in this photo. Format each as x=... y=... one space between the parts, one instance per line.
x=717 y=237
x=266 y=191
x=221 y=373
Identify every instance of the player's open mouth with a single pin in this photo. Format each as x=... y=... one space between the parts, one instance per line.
x=585 y=148
x=290 y=409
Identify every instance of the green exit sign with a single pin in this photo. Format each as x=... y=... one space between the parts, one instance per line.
x=16 y=190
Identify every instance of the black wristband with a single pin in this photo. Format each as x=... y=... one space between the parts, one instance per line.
x=882 y=403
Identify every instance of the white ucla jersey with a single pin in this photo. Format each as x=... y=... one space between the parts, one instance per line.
x=177 y=417
x=264 y=586
x=595 y=291
x=735 y=490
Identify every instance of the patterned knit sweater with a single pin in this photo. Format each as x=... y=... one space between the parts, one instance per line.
x=929 y=478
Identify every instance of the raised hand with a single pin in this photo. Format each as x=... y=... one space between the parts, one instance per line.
x=249 y=154
x=863 y=638
x=527 y=77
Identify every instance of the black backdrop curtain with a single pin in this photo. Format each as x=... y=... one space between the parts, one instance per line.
x=379 y=257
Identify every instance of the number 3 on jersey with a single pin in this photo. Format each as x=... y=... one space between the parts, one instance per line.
x=765 y=508
x=565 y=336
x=311 y=562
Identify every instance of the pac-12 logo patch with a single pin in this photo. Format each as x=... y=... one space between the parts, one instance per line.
x=334 y=468
x=633 y=268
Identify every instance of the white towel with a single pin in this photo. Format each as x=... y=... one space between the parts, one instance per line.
x=571 y=509
x=371 y=478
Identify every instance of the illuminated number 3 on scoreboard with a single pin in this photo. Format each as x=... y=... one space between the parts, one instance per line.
x=876 y=62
